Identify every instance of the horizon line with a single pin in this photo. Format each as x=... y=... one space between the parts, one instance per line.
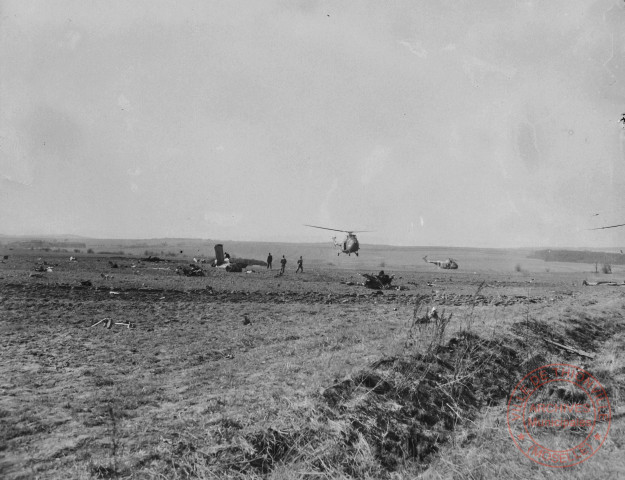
x=199 y=239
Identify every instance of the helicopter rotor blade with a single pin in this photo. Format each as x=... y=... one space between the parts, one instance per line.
x=337 y=230
x=326 y=228
x=610 y=226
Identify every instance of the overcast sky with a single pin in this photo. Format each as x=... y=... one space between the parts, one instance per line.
x=488 y=123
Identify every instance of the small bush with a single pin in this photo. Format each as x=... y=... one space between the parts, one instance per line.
x=606 y=268
x=517 y=268
x=90 y=250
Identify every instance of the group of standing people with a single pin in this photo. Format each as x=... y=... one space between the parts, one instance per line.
x=300 y=264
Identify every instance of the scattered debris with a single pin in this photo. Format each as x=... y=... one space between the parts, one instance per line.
x=449 y=264
x=229 y=266
x=108 y=323
x=236 y=267
x=190 y=271
x=603 y=282
x=42 y=268
x=113 y=265
x=429 y=317
x=86 y=283
x=200 y=260
x=379 y=281
x=153 y=259
x=571 y=349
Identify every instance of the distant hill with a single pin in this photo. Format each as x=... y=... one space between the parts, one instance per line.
x=45 y=244
x=579 y=256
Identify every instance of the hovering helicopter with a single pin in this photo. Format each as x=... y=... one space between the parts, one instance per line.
x=350 y=243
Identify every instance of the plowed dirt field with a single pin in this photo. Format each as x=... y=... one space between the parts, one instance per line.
x=245 y=375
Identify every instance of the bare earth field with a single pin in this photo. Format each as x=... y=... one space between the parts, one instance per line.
x=254 y=375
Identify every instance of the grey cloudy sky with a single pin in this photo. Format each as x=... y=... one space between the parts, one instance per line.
x=465 y=122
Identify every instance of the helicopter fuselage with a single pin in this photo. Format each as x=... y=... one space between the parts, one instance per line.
x=350 y=245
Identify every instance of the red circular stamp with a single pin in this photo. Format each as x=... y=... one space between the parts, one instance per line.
x=559 y=415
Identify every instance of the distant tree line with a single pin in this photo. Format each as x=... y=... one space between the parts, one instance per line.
x=41 y=244
x=579 y=256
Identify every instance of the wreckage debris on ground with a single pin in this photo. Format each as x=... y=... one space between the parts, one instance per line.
x=379 y=281
x=153 y=259
x=236 y=267
x=608 y=283
x=108 y=323
x=192 y=270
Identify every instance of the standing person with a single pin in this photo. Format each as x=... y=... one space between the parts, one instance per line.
x=283 y=263
x=300 y=265
x=269 y=260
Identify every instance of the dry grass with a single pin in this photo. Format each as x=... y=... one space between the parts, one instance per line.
x=476 y=450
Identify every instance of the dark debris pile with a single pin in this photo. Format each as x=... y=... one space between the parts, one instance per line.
x=193 y=270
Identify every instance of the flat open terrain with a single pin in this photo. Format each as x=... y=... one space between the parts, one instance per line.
x=245 y=375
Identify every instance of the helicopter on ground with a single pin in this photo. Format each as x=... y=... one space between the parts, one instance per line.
x=350 y=243
x=449 y=264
